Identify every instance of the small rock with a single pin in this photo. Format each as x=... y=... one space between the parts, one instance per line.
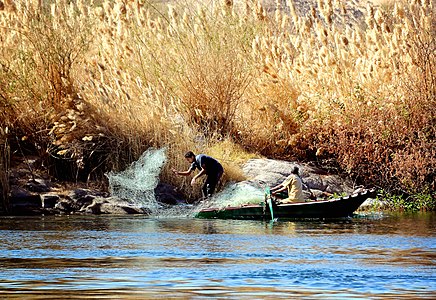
x=49 y=200
x=38 y=186
x=85 y=201
x=110 y=208
x=79 y=193
x=31 y=201
x=18 y=192
x=373 y=204
x=167 y=194
x=65 y=206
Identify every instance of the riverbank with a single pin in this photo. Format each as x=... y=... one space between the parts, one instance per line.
x=34 y=192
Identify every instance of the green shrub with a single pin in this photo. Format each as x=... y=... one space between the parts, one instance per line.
x=412 y=203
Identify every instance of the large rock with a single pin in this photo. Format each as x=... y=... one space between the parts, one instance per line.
x=269 y=172
x=49 y=200
x=38 y=185
x=85 y=201
x=262 y=173
x=168 y=194
x=65 y=206
x=112 y=205
x=23 y=202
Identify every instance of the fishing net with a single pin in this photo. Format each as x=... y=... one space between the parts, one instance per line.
x=136 y=184
x=235 y=194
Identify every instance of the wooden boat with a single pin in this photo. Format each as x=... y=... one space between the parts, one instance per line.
x=333 y=208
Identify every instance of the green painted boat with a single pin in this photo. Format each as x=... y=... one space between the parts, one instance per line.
x=332 y=208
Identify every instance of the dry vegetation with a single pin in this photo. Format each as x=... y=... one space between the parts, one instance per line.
x=90 y=87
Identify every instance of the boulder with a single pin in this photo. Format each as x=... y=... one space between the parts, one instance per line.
x=85 y=201
x=269 y=172
x=168 y=194
x=49 y=200
x=23 y=202
x=374 y=204
x=38 y=186
x=112 y=205
x=18 y=192
x=65 y=206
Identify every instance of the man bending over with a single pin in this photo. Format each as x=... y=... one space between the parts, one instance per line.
x=208 y=166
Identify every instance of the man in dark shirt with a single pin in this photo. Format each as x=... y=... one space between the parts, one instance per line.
x=206 y=165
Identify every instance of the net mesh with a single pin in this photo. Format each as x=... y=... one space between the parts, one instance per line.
x=137 y=182
x=235 y=194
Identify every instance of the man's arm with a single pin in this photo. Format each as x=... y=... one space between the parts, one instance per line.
x=282 y=186
x=278 y=189
x=182 y=173
x=201 y=173
x=273 y=189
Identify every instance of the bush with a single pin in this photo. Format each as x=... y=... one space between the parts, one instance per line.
x=412 y=203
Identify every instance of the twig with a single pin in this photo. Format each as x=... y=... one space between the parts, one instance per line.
x=25 y=159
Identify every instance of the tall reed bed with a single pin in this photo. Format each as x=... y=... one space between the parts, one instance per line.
x=95 y=85
x=364 y=93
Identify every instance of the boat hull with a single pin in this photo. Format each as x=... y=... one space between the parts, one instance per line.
x=334 y=208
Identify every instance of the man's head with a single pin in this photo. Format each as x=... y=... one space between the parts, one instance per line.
x=295 y=170
x=190 y=156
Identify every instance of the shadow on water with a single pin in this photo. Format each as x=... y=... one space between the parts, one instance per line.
x=389 y=256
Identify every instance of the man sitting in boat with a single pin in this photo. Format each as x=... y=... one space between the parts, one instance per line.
x=293 y=185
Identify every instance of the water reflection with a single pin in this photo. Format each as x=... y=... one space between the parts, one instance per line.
x=413 y=225
x=130 y=257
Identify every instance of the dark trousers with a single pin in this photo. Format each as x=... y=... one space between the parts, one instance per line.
x=281 y=195
x=210 y=184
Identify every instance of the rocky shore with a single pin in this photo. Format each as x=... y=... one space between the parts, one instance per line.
x=33 y=192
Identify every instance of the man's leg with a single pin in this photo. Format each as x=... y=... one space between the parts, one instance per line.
x=281 y=195
x=204 y=188
x=211 y=183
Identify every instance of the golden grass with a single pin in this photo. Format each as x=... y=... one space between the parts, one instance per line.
x=97 y=85
x=383 y=2
x=232 y=156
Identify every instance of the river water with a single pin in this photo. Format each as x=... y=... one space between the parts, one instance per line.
x=376 y=256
